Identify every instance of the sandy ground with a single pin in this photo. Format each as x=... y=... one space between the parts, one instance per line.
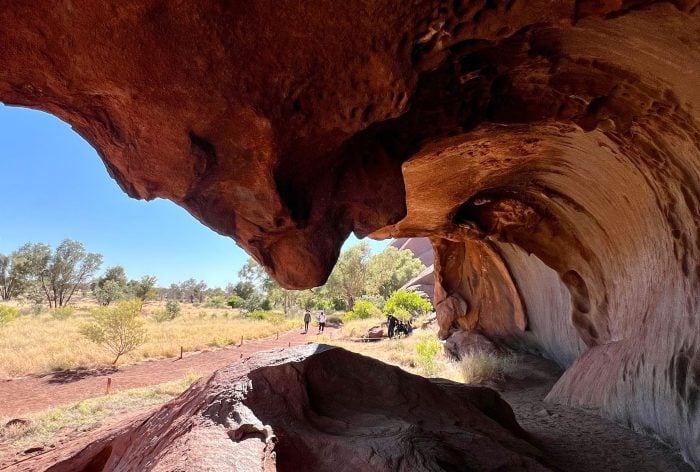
x=576 y=440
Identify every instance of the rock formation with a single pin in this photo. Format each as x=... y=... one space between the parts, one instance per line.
x=550 y=149
x=311 y=408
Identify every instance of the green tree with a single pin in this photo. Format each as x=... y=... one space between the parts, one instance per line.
x=119 y=329
x=110 y=291
x=193 y=290
x=144 y=289
x=349 y=276
x=403 y=301
x=64 y=270
x=390 y=270
x=19 y=271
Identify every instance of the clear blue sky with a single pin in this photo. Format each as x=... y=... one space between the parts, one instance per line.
x=54 y=186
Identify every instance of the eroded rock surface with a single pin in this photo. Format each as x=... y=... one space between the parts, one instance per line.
x=549 y=149
x=311 y=408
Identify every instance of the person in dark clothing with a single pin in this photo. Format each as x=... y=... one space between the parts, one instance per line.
x=391 y=322
x=307 y=320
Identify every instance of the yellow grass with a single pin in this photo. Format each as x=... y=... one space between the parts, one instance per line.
x=89 y=414
x=40 y=343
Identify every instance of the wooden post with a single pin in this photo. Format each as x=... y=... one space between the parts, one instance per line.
x=241 y=355
x=109 y=386
x=241 y=341
x=181 y=352
x=278 y=335
x=290 y=344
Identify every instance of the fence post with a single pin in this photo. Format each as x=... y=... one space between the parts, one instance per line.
x=109 y=385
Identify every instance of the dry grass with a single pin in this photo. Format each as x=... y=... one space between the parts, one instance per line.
x=88 y=414
x=41 y=343
x=419 y=354
x=479 y=368
x=359 y=328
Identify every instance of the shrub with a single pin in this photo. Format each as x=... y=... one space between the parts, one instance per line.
x=408 y=301
x=217 y=301
x=118 y=329
x=428 y=348
x=263 y=315
x=334 y=320
x=235 y=301
x=363 y=310
x=62 y=312
x=172 y=310
x=484 y=366
x=7 y=314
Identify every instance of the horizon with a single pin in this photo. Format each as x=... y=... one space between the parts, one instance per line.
x=56 y=187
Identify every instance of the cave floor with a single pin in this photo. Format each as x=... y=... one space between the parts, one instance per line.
x=578 y=440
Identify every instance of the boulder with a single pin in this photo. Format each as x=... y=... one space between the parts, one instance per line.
x=376 y=332
x=467 y=343
x=310 y=408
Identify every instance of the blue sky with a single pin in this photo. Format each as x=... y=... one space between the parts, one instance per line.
x=54 y=186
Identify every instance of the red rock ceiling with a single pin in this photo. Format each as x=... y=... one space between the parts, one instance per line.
x=549 y=148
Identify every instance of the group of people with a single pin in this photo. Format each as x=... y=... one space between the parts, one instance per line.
x=321 y=321
x=396 y=327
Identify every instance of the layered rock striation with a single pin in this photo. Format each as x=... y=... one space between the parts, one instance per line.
x=549 y=149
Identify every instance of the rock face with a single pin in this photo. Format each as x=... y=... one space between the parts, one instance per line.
x=550 y=149
x=311 y=408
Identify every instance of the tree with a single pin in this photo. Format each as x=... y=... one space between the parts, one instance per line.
x=390 y=270
x=193 y=290
x=117 y=274
x=119 y=329
x=64 y=270
x=18 y=272
x=110 y=291
x=404 y=301
x=349 y=276
x=144 y=289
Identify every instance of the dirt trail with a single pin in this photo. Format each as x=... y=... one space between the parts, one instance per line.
x=35 y=393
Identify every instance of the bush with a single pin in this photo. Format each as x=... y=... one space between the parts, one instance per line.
x=363 y=310
x=334 y=320
x=480 y=367
x=217 y=302
x=235 y=301
x=62 y=312
x=7 y=314
x=411 y=302
x=264 y=315
x=172 y=310
x=428 y=348
x=118 y=329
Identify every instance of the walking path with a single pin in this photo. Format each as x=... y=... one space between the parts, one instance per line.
x=35 y=393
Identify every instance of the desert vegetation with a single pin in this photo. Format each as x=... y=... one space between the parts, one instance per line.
x=59 y=311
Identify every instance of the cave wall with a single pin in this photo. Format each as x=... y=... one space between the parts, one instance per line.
x=550 y=150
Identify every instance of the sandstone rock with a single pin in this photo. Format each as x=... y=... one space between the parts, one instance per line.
x=550 y=150
x=310 y=408
x=376 y=332
x=466 y=343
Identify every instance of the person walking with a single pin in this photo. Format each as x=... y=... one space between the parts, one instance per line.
x=321 y=322
x=307 y=320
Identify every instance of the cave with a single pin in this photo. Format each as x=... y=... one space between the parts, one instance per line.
x=549 y=150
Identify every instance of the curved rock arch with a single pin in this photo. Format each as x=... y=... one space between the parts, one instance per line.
x=551 y=150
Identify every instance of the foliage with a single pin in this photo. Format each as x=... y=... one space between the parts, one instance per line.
x=63 y=271
x=362 y=310
x=411 y=302
x=116 y=275
x=428 y=349
x=193 y=291
x=334 y=320
x=389 y=270
x=118 y=329
x=110 y=291
x=349 y=276
x=234 y=301
x=62 y=313
x=7 y=314
x=274 y=317
x=19 y=271
x=144 y=289
x=171 y=311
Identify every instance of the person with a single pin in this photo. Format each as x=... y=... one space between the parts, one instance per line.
x=321 y=322
x=391 y=322
x=307 y=320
